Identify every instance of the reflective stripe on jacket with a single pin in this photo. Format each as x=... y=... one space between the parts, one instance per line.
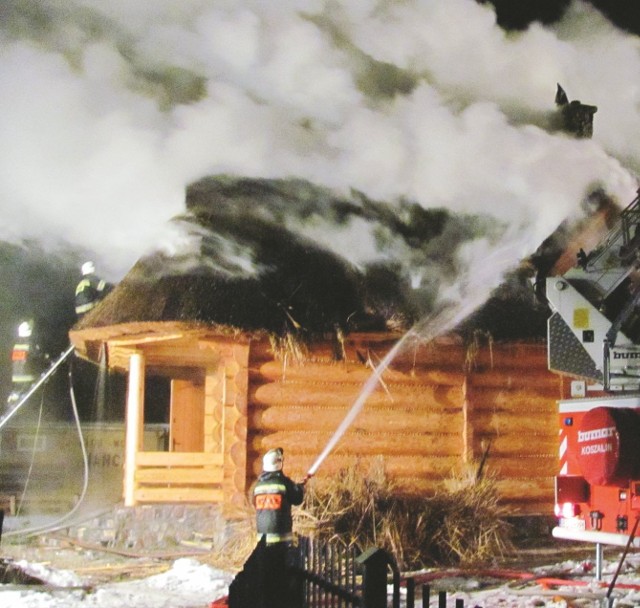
x=89 y=292
x=23 y=363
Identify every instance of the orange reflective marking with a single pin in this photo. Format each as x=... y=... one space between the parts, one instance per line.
x=19 y=355
x=268 y=501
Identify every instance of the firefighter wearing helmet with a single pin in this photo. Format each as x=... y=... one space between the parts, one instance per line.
x=274 y=493
x=90 y=290
x=27 y=362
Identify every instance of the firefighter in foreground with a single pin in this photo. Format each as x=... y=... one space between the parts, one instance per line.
x=90 y=290
x=274 y=494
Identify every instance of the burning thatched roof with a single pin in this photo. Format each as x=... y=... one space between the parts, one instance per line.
x=307 y=291
x=281 y=257
x=258 y=255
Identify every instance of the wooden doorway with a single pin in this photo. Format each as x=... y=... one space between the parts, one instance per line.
x=186 y=423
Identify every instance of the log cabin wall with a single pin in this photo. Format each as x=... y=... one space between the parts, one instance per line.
x=437 y=410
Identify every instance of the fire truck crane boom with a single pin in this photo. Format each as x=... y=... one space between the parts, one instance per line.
x=594 y=338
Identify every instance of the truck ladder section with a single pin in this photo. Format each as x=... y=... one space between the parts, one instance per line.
x=595 y=329
x=613 y=259
x=36 y=385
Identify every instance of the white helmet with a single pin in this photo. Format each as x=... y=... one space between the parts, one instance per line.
x=88 y=268
x=25 y=329
x=273 y=460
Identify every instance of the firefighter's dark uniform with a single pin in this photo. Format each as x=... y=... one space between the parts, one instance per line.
x=273 y=494
x=90 y=290
x=27 y=363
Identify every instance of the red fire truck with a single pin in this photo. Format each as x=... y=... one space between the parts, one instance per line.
x=594 y=338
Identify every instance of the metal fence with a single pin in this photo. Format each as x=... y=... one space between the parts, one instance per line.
x=426 y=596
x=329 y=574
x=320 y=574
x=317 y=574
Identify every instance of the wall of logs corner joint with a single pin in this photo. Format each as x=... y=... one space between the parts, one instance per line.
x=438 y=409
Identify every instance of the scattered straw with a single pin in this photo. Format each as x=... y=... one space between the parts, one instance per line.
x=463 y=524
x=239 y=542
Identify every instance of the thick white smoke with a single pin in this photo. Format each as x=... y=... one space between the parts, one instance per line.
x=109 y=109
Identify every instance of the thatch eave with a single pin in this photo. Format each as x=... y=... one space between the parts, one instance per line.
x=89 y=341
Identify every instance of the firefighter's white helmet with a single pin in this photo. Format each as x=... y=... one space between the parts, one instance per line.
x=88 y=268
x=25 y=329
x=273 y=460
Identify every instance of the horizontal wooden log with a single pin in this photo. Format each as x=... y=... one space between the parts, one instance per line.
x=487 y=374
x=439 y=352
x=178 y=459
x=515 y=444
x=529 y=467
x=327 y=350
x=186 y=352
x=328 y=419
x=526 y=401
x=435 y=467
x=356 y=371
x=357 y=374
x=508 y=423
x=337 y=394
x=508 y=489
x=530 y=378
x=510 y=356
x=181 y=475
x=525 y=489
x=423 y=445
x=540 y=497
x=144 y=495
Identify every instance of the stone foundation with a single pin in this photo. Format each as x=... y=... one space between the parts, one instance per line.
x=157 y=528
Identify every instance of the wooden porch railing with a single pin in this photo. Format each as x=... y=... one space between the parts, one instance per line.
x=178 y=477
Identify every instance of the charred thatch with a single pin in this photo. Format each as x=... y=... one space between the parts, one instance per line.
x=301 y=291
x=277 y=256
x=512 y=311
x=283 y=257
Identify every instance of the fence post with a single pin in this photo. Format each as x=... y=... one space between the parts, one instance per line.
x=374 y=578
x=426 y=595
x=411 y=592
x=295 y=581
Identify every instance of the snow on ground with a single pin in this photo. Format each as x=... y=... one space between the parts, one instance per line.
x=188 y=584
x=191 y=584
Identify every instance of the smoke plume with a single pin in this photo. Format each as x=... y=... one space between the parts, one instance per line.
x=110 y=110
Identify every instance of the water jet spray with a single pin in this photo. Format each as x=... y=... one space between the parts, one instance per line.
x=426 y=330
x=368 y=388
